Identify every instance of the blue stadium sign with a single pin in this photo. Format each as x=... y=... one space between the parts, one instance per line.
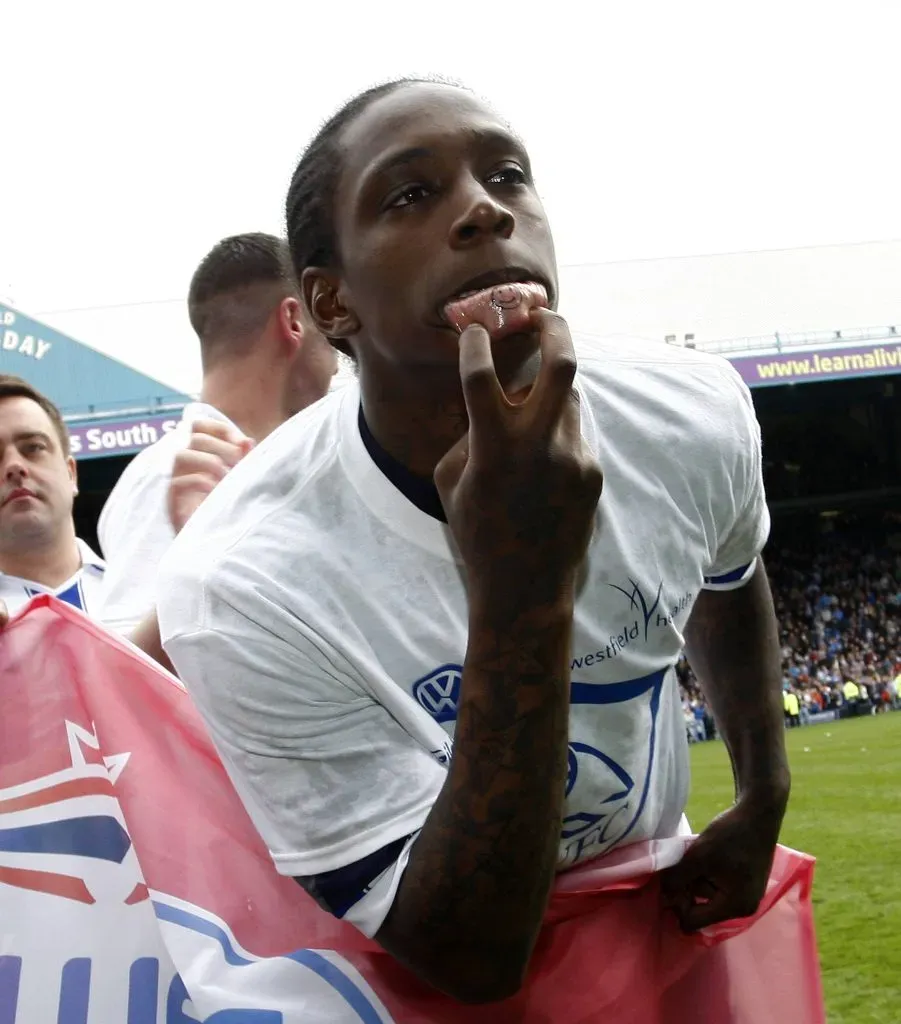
x=111 y=409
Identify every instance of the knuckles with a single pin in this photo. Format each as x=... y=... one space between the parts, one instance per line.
x=195 y=483
x=552 y=321
x=211 y=428
x=189 y=463
x=561 y=369
x=593 y=480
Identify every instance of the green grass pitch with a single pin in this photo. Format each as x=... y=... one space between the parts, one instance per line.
x=845 y=810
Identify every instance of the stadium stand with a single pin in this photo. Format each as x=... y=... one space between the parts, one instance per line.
x=838 y=601
x=832 y=466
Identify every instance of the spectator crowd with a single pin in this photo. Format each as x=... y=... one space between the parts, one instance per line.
x=838 y=603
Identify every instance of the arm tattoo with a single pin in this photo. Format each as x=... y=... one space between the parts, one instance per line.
x=480 y=873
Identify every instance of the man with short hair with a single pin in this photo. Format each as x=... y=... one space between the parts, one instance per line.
x=436 y=661
x=39 y=552
x=263 y=361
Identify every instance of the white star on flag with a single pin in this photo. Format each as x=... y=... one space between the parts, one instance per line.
x=80 y=738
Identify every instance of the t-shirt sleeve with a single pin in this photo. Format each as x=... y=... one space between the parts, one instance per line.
x=135 y=533
x=328 y=775
x=743 y=523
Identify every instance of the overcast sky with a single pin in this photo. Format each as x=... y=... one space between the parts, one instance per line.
x=132 y=142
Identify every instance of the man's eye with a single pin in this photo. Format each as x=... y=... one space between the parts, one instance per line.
x=35 y=446
x=511 y=175
x=407 y=196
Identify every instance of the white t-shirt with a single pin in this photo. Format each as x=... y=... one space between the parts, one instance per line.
x=84 y=590
x=134 y=529
x=319 y=620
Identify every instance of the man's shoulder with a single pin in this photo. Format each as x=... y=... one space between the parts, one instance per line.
x=295 y=451
x=696 y=393
x=604 y=357
x=90 y=560
x=283 y=491
x=151 y=463
x=142 y=485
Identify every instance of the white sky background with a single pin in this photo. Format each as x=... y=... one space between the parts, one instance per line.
x=131 y=142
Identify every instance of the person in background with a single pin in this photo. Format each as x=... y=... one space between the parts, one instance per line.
x=851 y=693
x=212 y=451
x=263 y=361
x=792 y=709
x=806 y=706
x=39 y=552
x=700 y=715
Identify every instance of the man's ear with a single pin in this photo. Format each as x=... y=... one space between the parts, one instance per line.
x=73 y=474
x=322 y=295
x=289 y=315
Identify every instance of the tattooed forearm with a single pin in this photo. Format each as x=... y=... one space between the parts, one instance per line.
x=475 y=890
x=732 y=642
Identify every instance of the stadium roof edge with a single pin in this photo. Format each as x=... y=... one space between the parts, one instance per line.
x=80 y=380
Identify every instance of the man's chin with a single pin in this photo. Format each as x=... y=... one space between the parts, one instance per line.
x=24 y=529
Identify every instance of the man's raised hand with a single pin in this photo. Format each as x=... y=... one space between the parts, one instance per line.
x=214 y=449
x=520 y=489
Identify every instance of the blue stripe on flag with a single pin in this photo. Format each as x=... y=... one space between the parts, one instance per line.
x=327 y=971
x=356 y=999
x=98 y=836
x=729 y=577
x=200 y=924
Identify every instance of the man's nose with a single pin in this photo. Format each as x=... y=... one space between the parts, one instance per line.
x=482 y=218
x=12 y=465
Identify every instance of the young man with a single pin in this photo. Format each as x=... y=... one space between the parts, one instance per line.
x=263 y=361
x=438 y=666
x=39 y=552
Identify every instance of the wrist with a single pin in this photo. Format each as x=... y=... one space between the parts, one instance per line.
x=533 y=637
x=509 y=610
x=522 y=594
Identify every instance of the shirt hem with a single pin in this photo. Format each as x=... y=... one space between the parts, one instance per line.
x=298 y=864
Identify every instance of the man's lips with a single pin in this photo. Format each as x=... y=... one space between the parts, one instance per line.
x=494 y=279
x=502 y=310
x=19 y=492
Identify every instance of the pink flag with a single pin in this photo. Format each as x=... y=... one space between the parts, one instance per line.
x=134 y=888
